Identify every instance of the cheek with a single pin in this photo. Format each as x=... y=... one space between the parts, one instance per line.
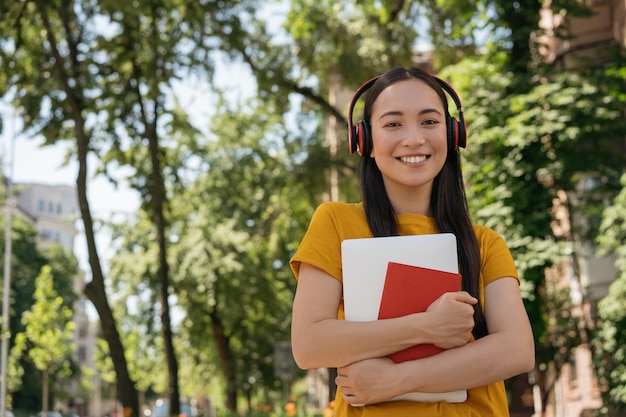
x=440 y=142
x=381 y=145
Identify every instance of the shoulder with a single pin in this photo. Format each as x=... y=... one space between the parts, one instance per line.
x=340 y=209
x=487 y=236
x=496 y=258
x=331 y=223
x=346 y=220
x=338 y=213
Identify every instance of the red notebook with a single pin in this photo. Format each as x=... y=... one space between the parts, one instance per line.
x=412 y=289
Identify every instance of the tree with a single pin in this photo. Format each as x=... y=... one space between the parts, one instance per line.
x=239 y=233
x=106 y=86
x=48 y=333
x=26 y=261
x=610 y=340
x=133 y=270
x=64 y=87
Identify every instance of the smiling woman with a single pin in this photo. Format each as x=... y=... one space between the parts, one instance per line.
x=411 y=184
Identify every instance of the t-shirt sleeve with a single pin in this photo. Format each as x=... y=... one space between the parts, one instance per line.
x=496 y=259
x=321 y=245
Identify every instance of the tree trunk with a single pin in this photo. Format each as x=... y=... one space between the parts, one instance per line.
x=95 y=289
x=158 y=200
x=226 y=359
x=523 y=19
x=44 y=393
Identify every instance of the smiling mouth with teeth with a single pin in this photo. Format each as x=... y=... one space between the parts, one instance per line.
x=413 y=159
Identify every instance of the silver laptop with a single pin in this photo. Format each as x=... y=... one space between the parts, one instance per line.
x=364 y=264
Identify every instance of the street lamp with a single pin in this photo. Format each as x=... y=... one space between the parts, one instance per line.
x=6 y=331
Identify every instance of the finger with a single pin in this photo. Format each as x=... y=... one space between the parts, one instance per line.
x=464 y=297
x=352 y=400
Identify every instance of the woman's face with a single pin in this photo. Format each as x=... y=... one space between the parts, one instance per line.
x=408 y=126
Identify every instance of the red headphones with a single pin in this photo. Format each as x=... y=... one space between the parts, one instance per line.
x=360 y=134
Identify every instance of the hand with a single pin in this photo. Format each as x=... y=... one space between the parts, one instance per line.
x=368 y=382
x=453 y=319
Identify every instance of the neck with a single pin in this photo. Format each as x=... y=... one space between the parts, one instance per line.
x=410 y=200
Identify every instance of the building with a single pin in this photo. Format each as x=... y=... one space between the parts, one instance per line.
x=587 y=40
x=53 y=209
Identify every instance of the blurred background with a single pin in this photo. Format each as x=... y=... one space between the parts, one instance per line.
x=161 y=160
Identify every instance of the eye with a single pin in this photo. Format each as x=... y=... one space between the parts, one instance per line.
x=430 y=122
x=392 y=124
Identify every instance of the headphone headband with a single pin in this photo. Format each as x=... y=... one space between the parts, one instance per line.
x=359 y=134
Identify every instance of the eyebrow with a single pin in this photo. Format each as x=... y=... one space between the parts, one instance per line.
x=399 y=113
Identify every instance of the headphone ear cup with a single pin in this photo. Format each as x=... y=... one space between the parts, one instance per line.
x=452 y=133
x=364 y=136
x=462 y=133
x=457 y=130
x=353 y=138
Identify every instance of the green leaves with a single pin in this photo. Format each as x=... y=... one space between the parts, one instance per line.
x=538 y=151
x=47 y=338
x=610 y=340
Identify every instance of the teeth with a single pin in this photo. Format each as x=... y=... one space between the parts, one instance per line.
x=413 y=159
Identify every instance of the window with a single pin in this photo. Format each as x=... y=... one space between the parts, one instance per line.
x=41 y=205
x=82 y=354
x=573 y=371
x=82 y=330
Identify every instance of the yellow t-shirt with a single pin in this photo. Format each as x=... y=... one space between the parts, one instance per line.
x=321 y=247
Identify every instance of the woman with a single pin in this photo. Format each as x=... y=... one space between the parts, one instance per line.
x=411 y=183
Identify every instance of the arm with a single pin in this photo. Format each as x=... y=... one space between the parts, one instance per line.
x=319 y=339
x=508 y=350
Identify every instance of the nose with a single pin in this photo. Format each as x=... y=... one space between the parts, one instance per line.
x=413 y=136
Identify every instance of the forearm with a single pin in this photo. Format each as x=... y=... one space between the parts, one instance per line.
x=492 y=358
x=319 y=339
x=335 y=343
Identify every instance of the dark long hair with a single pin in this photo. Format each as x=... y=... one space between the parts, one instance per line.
x=448 y=200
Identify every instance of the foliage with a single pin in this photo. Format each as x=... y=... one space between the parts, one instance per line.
x=103 y=79
x=27 y=259
x=64 y=267
x=610 y=340
x=523 y=154
x=133 y=279
x=356 y=39
x=240 y=229
x=48 y=332
x=26 y=262
x=236 y=224
x=224 y=210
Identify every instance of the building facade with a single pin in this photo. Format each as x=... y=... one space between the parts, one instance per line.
x=54 y=209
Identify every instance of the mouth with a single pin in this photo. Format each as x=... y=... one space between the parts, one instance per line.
x=413 y=159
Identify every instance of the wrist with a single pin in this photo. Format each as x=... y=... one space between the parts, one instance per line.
x=420 y=325
x=408 y=377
